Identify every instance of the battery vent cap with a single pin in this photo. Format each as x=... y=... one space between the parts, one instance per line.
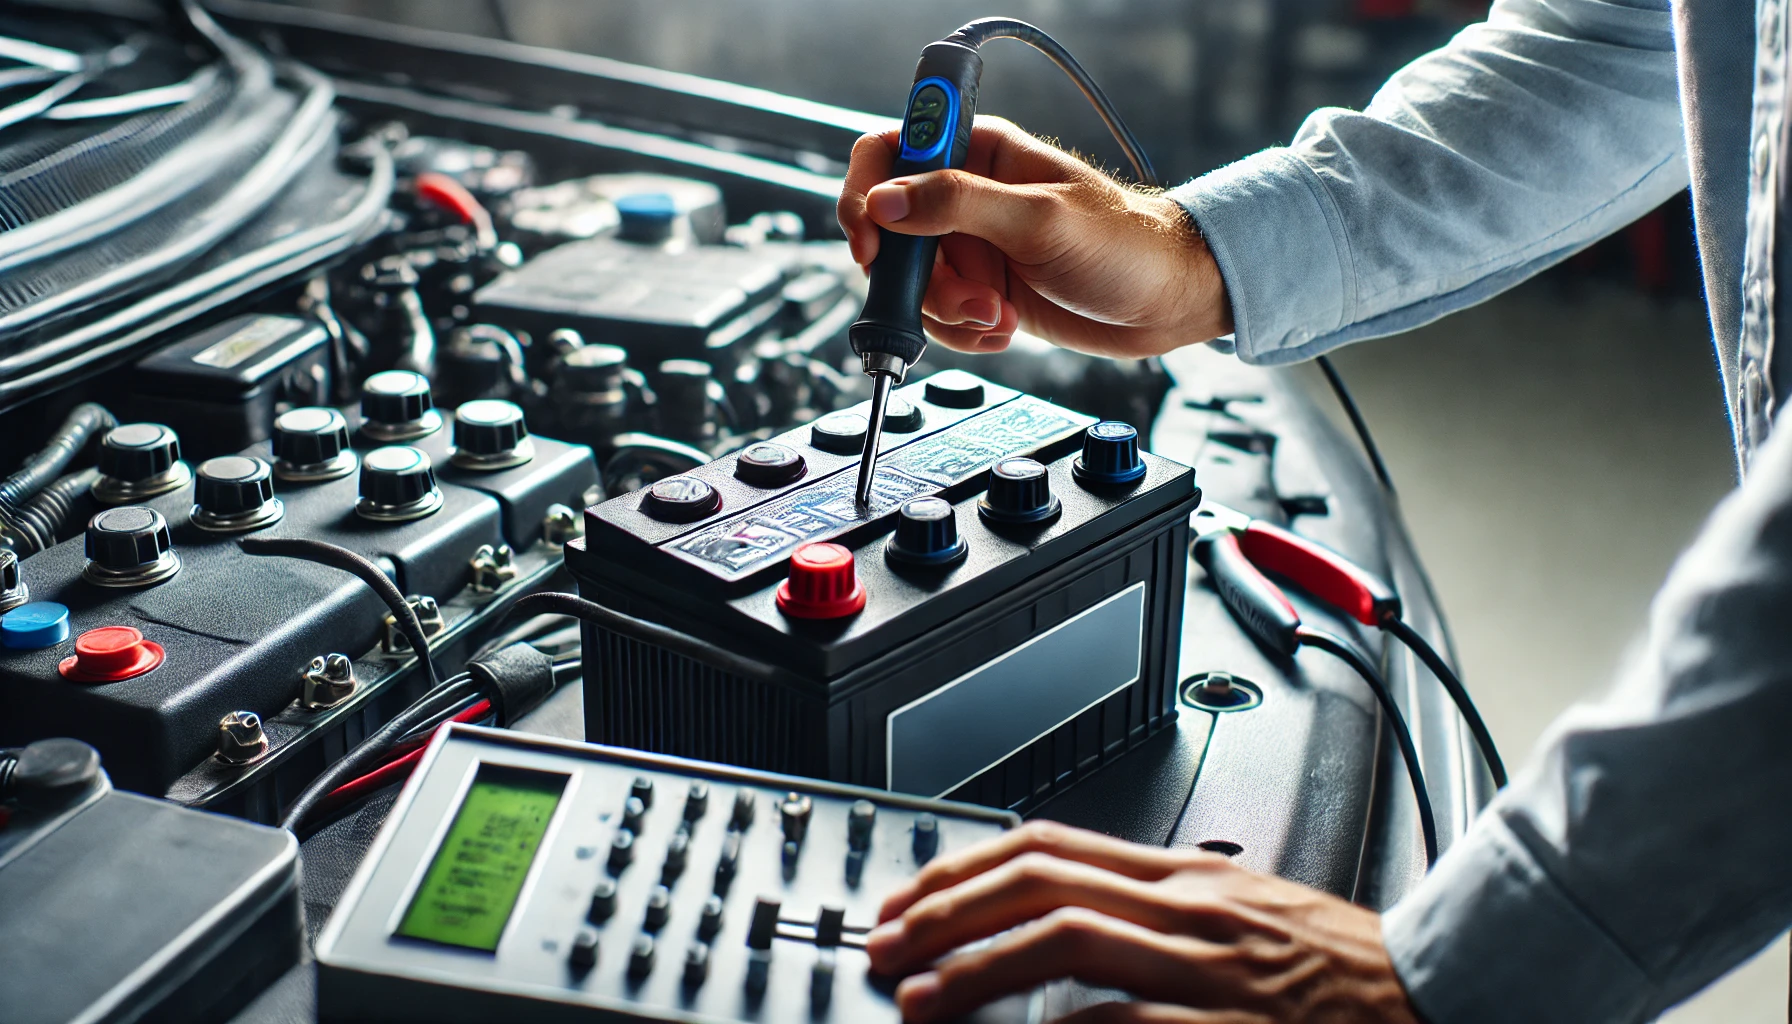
x=34 y=626
x=110 y=654
x=823 y=584
x=1019 y=492
x=926 y=534
x=681 y=499
x=1110 y=455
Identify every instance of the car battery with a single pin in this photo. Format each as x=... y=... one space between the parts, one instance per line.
x=1002 y=619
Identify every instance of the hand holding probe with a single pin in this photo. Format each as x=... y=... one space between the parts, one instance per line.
x=936 y=135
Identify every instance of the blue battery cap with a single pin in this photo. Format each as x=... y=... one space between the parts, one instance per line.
x=34 y=626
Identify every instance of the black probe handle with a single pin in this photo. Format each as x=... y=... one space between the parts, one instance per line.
x=1258 y=604
x=936 y=134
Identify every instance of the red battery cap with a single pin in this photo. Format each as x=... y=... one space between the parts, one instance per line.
x=822 y=584
x=109 y=654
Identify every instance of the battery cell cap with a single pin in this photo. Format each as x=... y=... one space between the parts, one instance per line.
x=491 y=434
x=681 y=499
x=1019 y=492
x=926 y=534
x=138 y=451
x=396 y=406
x=842 y=433
x=902 y=416
x=110 y=654
x=1110 y=455
x=823 y=584
x=954 y=389
x=769 y=465
x=311 y=443
x=34 y=626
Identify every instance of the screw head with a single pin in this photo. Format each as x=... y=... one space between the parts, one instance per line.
x=329 y=680
x=241 y=738
x=560 y=525
x=493 y=566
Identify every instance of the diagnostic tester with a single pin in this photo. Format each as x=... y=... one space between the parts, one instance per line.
x=527 y=879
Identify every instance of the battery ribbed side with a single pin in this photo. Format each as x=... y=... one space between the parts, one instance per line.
x=644 y=697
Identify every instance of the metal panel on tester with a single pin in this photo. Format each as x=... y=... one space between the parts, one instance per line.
x=938 y=742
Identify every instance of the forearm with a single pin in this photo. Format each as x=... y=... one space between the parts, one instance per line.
x=1522 y=141
x=1644 y=853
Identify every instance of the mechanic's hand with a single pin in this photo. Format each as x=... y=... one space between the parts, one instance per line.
x=1202 y=940
x=1037 y=239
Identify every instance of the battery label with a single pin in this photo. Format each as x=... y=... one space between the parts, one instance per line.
x=749 y=542
x=943 y=739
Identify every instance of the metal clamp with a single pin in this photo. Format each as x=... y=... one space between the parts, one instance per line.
x=493 y=566
x=329 y=680
x=428 y=613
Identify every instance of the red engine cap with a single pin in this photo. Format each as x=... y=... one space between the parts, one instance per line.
x=109 y=654
x=822 y=584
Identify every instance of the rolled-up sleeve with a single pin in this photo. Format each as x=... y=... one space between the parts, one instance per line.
x=1644 y=853
x=1520 y=142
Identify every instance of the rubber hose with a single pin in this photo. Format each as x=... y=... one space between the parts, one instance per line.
x=86 y=422
x=35 y=525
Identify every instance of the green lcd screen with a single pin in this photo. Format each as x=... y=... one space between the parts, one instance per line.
x=477 y=873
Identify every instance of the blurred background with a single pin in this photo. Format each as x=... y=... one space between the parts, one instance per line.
x=1554 y=447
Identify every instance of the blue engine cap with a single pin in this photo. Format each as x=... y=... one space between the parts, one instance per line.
x=34 y=626
x=1110 y=455
x=647 y=216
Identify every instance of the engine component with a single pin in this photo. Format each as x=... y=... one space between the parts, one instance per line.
x=656 y=303
x=139 y=461
x=221 y=388
x=186 y=588
x=763 y=923
x=170 y=914
x=877 y=671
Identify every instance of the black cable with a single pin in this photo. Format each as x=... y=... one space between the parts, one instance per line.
x=360 y=760
x=1336 y=380
x=1404 y=633
x=648 y=633
x=348 y=561
x=982 y=30
x=1338 y=647
x=422 y=729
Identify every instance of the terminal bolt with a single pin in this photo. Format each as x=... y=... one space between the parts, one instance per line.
x=428 y=613
x=492 y=567
x=329 y=680
x=560 y=525
x=241 y=738
x=13 y=591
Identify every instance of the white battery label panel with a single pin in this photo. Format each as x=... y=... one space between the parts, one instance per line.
x=938 y=742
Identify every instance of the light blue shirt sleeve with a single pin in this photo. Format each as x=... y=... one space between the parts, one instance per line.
x=1523 y=140
x=1646 y=851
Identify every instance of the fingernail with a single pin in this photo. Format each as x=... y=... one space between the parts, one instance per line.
x=982 y=312
x=886 y=940
x=887 y=202
x=917 y=996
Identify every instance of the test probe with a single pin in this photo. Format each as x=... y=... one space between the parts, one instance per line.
x=936 y=135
